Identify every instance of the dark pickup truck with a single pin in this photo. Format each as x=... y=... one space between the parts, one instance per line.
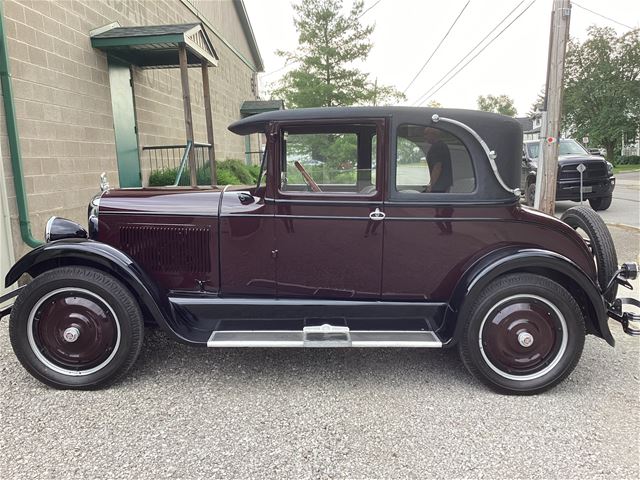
x=598 y=181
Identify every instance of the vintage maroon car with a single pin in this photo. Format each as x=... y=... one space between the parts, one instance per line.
x=369 y=227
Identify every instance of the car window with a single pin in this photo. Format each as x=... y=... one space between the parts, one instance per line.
x=431 y=160
x=329 y=162
x=571 y=147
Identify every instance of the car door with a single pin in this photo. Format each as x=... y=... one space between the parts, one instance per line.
x=329 y=220
x=431 y=223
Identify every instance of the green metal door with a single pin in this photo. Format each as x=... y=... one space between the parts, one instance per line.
x=124 y=124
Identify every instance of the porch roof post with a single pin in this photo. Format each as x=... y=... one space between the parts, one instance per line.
x=209 y=118
x=188 y=119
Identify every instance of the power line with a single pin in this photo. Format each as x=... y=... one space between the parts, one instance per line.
x=367 y=10
x=287 y=63
x=419 y=100
x=437 y=47
x=482 y=50
x=603 y=16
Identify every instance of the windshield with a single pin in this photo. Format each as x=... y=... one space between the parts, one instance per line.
x=263 y=169
x=567 y=147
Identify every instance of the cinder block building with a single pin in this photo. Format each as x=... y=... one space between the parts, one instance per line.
x=95 y=87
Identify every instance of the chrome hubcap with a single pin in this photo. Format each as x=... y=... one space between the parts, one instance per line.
x=525 y=339
x=71 y=334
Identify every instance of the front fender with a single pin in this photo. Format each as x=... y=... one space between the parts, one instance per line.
x=531 y=260
x=99 y=255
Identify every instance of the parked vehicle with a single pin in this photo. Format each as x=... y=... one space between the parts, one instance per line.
x=598 y=181
x=598 y=152
x=423 y=243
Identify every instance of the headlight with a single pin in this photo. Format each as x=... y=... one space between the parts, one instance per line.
x=609 y=168
x=92 y=214
x=58 y=228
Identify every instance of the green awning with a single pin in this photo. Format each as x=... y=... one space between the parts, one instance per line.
x=253 y=107
x=156 y=46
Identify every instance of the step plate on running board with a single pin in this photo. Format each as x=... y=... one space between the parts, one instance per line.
x=334 y=337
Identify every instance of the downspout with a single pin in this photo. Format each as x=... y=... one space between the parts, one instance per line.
x=14 y=140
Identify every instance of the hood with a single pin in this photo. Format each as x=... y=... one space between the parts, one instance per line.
x=576 y=158
x=161 y=201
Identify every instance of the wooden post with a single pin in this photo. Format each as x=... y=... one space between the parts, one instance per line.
x=209 y=118
x=547 y=171
x=188 y=119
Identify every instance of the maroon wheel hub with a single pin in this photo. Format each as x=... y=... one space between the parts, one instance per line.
x=74 y=329
x=522 y=336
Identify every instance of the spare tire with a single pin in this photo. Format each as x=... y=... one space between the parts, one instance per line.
x=599 y=241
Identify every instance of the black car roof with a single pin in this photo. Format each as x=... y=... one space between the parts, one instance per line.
x=502 y=134
x=258 y=123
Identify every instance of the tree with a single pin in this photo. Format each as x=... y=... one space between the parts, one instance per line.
x=537 y=105
x=329 y=42
x=602 y=87
x=498 y=104
x=433 y=104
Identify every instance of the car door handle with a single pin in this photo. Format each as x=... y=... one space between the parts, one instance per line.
x=377 y=215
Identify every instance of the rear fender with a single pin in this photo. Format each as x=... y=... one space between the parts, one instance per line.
x=153 y=300
x=542 y=262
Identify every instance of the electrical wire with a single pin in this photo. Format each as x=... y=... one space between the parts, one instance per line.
x=367 y=10
x=482 y=50
x=437 y=47
x=419 y=100
x=603 y=16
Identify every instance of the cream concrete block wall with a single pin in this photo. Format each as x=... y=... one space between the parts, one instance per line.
x=63 y=102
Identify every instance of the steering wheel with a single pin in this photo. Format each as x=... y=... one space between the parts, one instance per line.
x=307 y=178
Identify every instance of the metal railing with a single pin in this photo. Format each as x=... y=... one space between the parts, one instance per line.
x=161 y=158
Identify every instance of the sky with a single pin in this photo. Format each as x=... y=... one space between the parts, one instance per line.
x=407 y=31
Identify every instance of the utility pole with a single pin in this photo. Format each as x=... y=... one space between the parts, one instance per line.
x=550 y=132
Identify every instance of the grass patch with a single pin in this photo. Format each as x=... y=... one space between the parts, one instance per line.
x=625 y=168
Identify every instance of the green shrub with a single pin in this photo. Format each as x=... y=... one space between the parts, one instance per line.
x=229 y=172
x=163 y=177
x=628 y=160
x=254 y=170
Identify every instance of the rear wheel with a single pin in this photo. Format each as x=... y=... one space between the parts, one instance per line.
x=601 y=203
x=593 y=229
x=76 y=328
x=523 y=335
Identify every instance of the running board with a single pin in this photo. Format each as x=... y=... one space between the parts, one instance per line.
x=323 y=336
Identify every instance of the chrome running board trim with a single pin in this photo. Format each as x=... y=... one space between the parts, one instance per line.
x=326 y=336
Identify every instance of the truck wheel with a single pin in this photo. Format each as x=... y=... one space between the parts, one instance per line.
x=76 y=328
x=601 y=203
x=523 y=335
x=531 y=194
x=587 y=222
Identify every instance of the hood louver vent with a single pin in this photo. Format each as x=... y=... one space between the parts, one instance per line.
x=168 y=248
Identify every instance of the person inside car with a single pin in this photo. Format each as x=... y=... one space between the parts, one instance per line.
x=439 y=161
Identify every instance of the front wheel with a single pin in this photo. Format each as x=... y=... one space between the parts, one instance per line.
x=523 y=335
x=76 y=328
x=530 y=194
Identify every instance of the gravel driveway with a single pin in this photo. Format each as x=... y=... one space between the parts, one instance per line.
x=194 y=413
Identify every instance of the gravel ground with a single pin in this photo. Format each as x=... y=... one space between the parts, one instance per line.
x=194 y=413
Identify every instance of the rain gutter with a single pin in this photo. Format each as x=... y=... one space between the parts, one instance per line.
x=14 y=140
